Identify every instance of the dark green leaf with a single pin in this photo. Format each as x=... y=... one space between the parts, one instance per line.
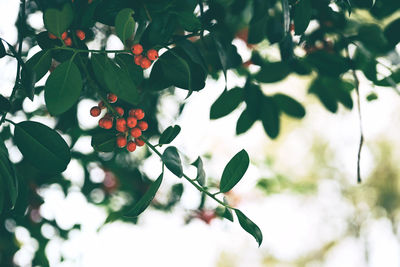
x=226 y=103
x=125 y=24
x=259 y=21
x=193 y=52
x=254 y=100
x=272 y=72
x=40 y=63
x=189 y=21
x=127 y=64
x=63 y=88
x=228 y=214
x=117 y=80
x=331 y=64
x=249 y=226
x=172 y=161
x=391 y=80
x=392 y=32
x=43 y=147
x=104 y=142
x=290 y=106
x=320 y=88
x=234 y=171
x=270 y=117
x=372 y=97
x=146 y=199
x=244 y=122
x=57 y=21
x=5 y=105
x=222 y=54
x=169 y=134
x=201 y=175
x=2 y=53
x=302 y=16
x=373 y=39
x=7 y=173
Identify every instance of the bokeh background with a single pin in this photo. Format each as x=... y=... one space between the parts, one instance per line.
x=300 y=189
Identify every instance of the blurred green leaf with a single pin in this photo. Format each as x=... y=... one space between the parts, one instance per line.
x=290 y=106
x=392 y=32
x=189 y=21
x=5 y=104
x=244 y=122
x=270 y=117
x=302 y=16
x=272 y=72
x=226 y=103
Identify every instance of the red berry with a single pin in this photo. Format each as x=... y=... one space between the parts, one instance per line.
x=143 y=125
x=108 y=116
x=131 y=122
x=121 y=141
x=138 y=59
x=139 y=114
x=101 y=105
x=145 y=63
x=131 y=146
x=120 y=111
x=139 y=142
x=152 y=54
x=90 y=1
x=101 y=122
x=80 y=34
x=68 y=41
x=121 y=125
x=52 y=36
x=95 y=111
x=107 y=124
x=136 y=132
x=112 y=98
x=132 y=112
x=137 y=49
x=64 y=35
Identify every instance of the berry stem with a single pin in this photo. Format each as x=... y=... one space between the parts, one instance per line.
x=91 y=50
x=192 y=181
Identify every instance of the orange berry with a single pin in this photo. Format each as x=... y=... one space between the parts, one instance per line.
x=137 y=49
x=95 y=111
x=108 y=123
x=121 y=141
x=152 y=54
x=132 y=112
x=120 y=111
x=112 y=98
x=145 y=63
x=64 y=35
x=68 y=41
x=143 y=125
x=139 y=114
x=131 y=146
x=101 y=105
x=80 y=34
x=136 y=132
x=131 y=122
x=138 y=59
x=52 y=36
x=139 y=142
x=121 y=125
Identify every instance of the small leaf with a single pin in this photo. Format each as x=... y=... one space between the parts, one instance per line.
x=172 y=161
x=57 y=21
x=228 y=214
x=201 y=175
x=40 y=63
x=302 y=16
x=63 y=88
x=272 y=72
x=270 y=117
x=290 y=106
x=125 y=24
x=226 y=103
x=43 y=147
x=244 y=122
x=234 y=171
x=169 y=134
x=146 y=199
x=2 y=53
x=249 y=226
x=189 y=21
x=5 y=104
x=371 y=97
x=104 y=142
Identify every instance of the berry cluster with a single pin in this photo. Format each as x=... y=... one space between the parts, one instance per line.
x=143 y=59
x=130 y=127
x=67 y=40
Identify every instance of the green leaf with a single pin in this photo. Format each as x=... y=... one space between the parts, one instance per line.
x=373 y=39
x=326 y=63
x=127 y=64
x=290 y=106
x=117 y=80
x=43 y=147
x=249 y=226
x=302 y=16
x=234 y=171
x=272 y=72
x=189 y=21
x=172 y=161
x=40 y=63
x=244 y=122
x=325 y=95
x=391 y=80
x=63 y=88
x=146 y=199
x=392 y=32
x=57 y=21
x=7 y=173
x=5 y=104
x=371 y=97
x=259 y=21
x=169 y=134
x=270 y=117
x=222 y=55
x=104 y=142
x=125 y=24
x=228 y=214
x=226 y=103
x=201 y=175
x=2 y=53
